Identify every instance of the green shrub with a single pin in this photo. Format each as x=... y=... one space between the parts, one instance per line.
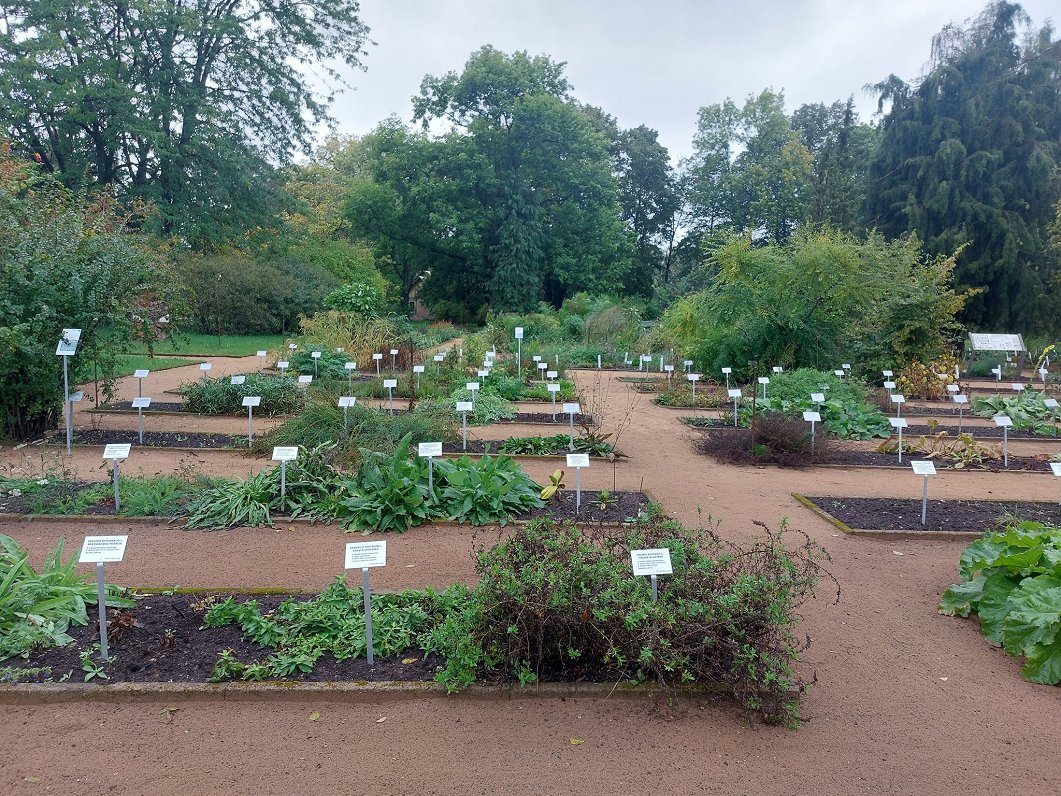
x=1011 y=578
x=280 y=395
x=390 y=492
x=489 y=489
x=558 y=602
x=36 y=609
x=1027 y=409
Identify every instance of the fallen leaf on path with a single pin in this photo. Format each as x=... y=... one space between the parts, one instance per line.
x=33 y=780
x=168 y=712
x=314 y=715
x=407 y=661
x=381 y=719
x=577 y=741
x=896 y=552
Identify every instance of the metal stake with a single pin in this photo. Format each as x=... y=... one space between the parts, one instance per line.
x=430 y=477
x=283 y=479
x=1005 y=446
x=101 y=593
x=117 y=498
x=464 y=431
x=578 y=489
x=368 y=612
x=924 y=503
x=250 y=426
x=140 y=422
x=69 y=407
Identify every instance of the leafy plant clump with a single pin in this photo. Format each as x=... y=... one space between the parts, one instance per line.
x=1027 y=409
x=556 y=444
x=682 y=397
x=1011 y=578
x=777 y=439
x=300 y=631
x=280 y=395
x=555 y=602
x=927 y=381
x=962 y=451
x=37 y=608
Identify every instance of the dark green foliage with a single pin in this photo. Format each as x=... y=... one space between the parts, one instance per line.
x=556 y=602
x=1011 y=578
x=556 y=444
x=390 y=492
x=280 y=395
x=969 y=157
x=485 y=490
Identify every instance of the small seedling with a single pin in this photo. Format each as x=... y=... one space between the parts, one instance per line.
x=556 y=483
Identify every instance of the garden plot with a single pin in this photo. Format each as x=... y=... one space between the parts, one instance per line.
x=949 y=516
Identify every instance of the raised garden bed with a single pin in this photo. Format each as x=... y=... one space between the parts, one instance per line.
x=156 y=439
x=493 y=447
x=900 y=514
x=977 y=431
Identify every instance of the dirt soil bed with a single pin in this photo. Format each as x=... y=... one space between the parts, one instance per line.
x=164 y=643
x=864 y=458
x=894 y=514
x=621 y=506
x=154 y=439
x=156 y=406
x=978 y=432
x=479 y=446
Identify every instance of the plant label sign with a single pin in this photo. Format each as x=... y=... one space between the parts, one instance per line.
x=519 y=332
x=252 y=400
x=778 y=369
x=482 y=374
x=377 y=356
x=839 y=373
x=536 y=358
x=346 y=401
x=889 y=385
x=283 y=364
x=141 y=403
x=727 y=371
x=887 y=374
x=572 y=409
x=764 y=379
x=578 y=460
x=117 y=450
x=205 y=366
x=898 y=422
x=262 y=353
x=390 y=384
x=429 y=449
x=350 y=366
x=465 y=406
x=68 y=343
x=953 y=388
x=1017 y=387
x=898 y=399
x=237 y=380
x=961 y=399
x=315 y=354
x=292 y=346
x=140 y=374
x=284 y=453
x=668 y=368
x=103 y=549
x=693 y=377
x=77 y=396
x=923 y=467
x=471 y=386
x=734 y=393
x=363 y=555
x=543 y=366
x=551 y=374
x=305 y=379
x=418 y=368
x=997 y=342
x=812 y=417
x=394 y=352
x=846 y=366
x=687 y=363
x=1003 y=421
x=818 y=397
x=653 y=561
x=553 y=387
x=1050 y=403
x=438 y=357
x=1055 y=468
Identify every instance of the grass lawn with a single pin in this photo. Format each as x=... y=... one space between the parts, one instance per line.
x=210 y=345
x=127 y=363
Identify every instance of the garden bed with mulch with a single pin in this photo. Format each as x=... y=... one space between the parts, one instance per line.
x=160 y=641
x=480 y=447
x=977 y=431
x=596 y=507
x=864 y=458
x=155 y=439
x=899 y=514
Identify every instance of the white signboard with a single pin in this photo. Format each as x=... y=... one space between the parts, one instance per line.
x=923 y=468
x=846 y=366
x=887 y=373
x=898 y=422
x=305 y=379
x=465 y=406
x=996 y=342
x=283 y=364
x=818 y=397
x=839 y=373
x=438 y=357
x=103 y=549
x=1002 y=421
x=377 y=356
x=262 y=353
x=1055 y=468
x=390 y=383
x=553 y=387
x=778 y=369
x=141 y=374
x=282 y=453
x=572 y=409
x=117 y=450
x=536 y=358
x=1016 y=387
x=519 y=332
x=693 y=377
x=734 y=393
x=252 y=400
x=764 y=379
x=471 y=386
x=316 y=355
x=394 y=352
x=961 y=399
x=362 y=555
x=578 y=460
x=953 y=388
x=418 y=368
x=551 y=374
x=141 y=403
x=346 y=401
x=68 y=343
x=654 y=561
x=889 y=385
x=237 y=380
x=898 y=399
x=726 y=371
x=1050 y=403
x=482 y=374
x=292 y=346
x=543 y=365
x=429 y=449
x=205 y=366
x=350 y=366
x=812 y=417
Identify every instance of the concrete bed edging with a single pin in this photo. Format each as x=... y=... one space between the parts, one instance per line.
x=881 y=533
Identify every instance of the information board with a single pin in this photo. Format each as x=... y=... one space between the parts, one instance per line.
x=102 y=549
x=364 y=555
x=653 y=561
x=996 y=342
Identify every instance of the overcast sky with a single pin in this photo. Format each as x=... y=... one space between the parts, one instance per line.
x=655 y=62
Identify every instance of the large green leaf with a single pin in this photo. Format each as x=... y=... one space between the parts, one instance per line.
x=1035 y=616
x=994 y=605
x=1044 y=664
x=959 y=600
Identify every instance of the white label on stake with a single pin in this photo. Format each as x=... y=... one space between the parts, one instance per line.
x=237 y=380
x=305 y=379
x=117 y=450
x=889 y=385
x=898 y=422
x=553 y=387
x=519 y=332
x=551 y=374
x=282 y=453
x=316 y=355
x=68 y=343
x=292 y=346
x=839 y=373
x=1055 y=468
x=778 y=369
x=390 y=383
x=687 y=363
x=141 y=403
x=726 y=371
x=898 y=399
x=350 y=366
x=818 y=397
x=578 y=460
x=953 y=388
x=668 y=368
x=102 y=549
x=543 y=365
x=812 y=417
x=140 y=374
x=482 y=374
x=961 y=399
x=362 y=555
x=572 y=409
x=262 y=353
x=734 y=393
x=693 y=377
x=465 y=406
x=764 y=379
x=377 y=356
x=471 y=386
x=655 y=561
x=429 y=449
x=394 y=352
x=887 y=373
x=439 y=357
x=346 y=401
x=536 y=358
x=205 y=366
x=252 y=400
x=1003 y=421
x=1050 y=403
x=283 y=364
x=923 y=467
x=996 y=342
x=418 y=368
x=1017 y=387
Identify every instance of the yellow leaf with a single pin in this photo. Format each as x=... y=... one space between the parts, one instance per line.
x=407 y=661
x=33 y=780
x=381 y=719
x=577 y=741
x=314 y=715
